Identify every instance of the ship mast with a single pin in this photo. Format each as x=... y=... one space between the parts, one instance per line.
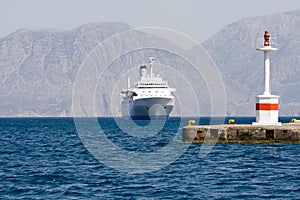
x=151 y=61
x=128 y=83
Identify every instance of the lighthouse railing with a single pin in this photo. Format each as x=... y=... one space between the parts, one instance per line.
x=260 y=42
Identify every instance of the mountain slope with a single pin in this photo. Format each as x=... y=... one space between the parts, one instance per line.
x=38 y=68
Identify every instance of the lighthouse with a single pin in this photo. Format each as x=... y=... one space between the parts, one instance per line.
x=267 y=104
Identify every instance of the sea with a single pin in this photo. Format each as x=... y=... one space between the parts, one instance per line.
x=64 y=158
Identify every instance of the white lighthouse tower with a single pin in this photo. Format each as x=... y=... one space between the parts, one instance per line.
x=267 y=104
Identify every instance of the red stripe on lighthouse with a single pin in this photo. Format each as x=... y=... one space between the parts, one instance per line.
x=266 y=106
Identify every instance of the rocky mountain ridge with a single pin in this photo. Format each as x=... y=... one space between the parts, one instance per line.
x=38 y=68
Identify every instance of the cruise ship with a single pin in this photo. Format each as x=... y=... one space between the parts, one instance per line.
x=150 y=98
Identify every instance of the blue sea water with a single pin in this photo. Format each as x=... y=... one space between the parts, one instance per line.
x=44 y=158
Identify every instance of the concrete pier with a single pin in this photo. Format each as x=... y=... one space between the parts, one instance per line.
x=242 y=133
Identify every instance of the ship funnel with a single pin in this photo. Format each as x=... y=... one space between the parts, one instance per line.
x=143 y=71
x=128 y=83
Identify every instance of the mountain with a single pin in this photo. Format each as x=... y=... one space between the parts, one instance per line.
x=39 y=68
x=43 y=71
x=233 y=49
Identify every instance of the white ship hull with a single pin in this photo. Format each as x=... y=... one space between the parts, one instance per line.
x=148 y=108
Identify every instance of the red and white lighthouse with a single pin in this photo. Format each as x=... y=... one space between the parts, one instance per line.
x=267 y=104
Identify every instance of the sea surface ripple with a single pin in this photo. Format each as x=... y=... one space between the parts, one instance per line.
x=44 y=158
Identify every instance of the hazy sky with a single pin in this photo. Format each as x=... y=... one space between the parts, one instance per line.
x=197 y=18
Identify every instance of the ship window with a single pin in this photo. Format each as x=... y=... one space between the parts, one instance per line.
x=134 y=94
